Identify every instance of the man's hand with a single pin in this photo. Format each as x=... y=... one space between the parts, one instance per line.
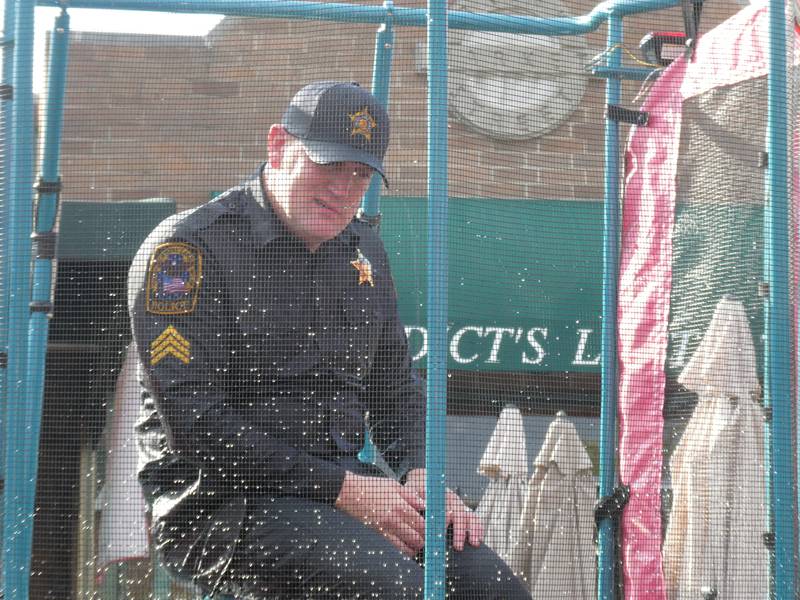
x=466 y=524
x=385 y=505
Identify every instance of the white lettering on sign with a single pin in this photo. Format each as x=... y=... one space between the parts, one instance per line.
x=515 y=345
x=540 y=353
x=411 y=329
x=580 y=354
x=498 y=339
x=454 y=351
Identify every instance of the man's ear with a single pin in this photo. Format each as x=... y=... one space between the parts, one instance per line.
x=276 y=144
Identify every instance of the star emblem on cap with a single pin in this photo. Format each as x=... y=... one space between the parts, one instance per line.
x=364 y=268
x=363 y=124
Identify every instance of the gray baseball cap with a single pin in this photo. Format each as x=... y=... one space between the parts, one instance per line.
x=339 y=121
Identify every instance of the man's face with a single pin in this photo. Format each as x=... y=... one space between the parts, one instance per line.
x=315 y=202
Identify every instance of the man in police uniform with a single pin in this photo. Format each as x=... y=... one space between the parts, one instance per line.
x=271 y=351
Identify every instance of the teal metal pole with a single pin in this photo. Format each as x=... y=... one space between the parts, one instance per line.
x=27 y=444
x=415 y=17
x=608 y=405
x=6 y=108
x=381 y=78
x=437 y=302
x=17 y=520
x=778 y=362
x=769 y=526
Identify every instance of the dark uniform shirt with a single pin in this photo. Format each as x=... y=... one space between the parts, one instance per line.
x=260 y=359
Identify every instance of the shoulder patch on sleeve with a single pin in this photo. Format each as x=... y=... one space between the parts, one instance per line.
x=173 y=279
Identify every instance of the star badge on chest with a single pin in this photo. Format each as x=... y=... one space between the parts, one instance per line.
x=364 y=268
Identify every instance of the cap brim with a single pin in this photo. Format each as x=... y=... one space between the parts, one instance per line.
x=328 y=152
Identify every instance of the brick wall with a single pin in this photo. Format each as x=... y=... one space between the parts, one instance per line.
x=181 y=117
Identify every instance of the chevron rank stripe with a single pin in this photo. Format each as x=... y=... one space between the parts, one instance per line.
x=170 y=343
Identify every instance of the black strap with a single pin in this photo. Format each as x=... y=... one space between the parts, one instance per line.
x=44 y=307
x=626 y=115
x=769 y=540
x=371 y=220
x=48 y=187
x=44 y=244
x=610 y=507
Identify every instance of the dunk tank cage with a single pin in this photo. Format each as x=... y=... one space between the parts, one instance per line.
x=482 y=282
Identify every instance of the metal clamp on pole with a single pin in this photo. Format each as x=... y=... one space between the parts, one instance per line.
x=6 y=92
x=4 y=359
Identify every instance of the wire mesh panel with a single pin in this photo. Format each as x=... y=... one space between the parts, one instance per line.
x=716 y=252
x=235 y=399
x=525 y=259
x=716 y=296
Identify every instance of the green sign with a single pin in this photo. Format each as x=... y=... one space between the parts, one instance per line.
x=108 y=230
x=524 y=281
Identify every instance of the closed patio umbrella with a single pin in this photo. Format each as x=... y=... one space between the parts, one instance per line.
x=552 y=546
x=505 y=462
x=122 y=531
x=714 y=546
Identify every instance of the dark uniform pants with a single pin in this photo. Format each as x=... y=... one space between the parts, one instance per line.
x=293 y=548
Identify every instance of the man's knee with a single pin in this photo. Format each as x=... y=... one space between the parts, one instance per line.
x=383 y=580
x=480 y=573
